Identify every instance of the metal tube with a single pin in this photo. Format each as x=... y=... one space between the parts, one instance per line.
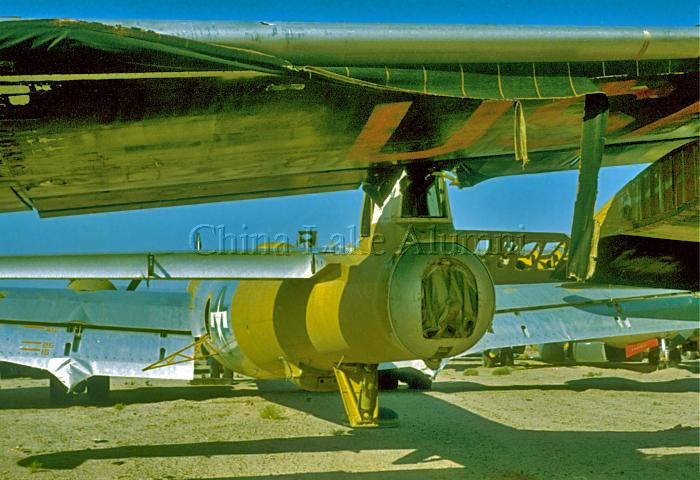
x=163 y=266
x=328 y=44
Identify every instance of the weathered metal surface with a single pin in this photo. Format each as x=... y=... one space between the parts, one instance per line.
x=77 y=335
x=351 y=44
x=162 y=266
x=518 y=256
x=511 y=298
x=118 y=309
x=663 y=201
x=595 y=122
x=547 y=313
x=101 y=352
x=158 y=120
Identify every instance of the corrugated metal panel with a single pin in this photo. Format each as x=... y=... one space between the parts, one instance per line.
x=663 y=201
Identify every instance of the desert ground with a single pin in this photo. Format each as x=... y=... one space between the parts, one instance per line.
x=536 y=421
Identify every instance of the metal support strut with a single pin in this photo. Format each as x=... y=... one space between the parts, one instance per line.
x=359 y=391
x=595 y=121
x=181 y=357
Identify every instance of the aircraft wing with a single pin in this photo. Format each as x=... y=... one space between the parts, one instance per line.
x=75 y=335
x=533 y=314
x=123 y=115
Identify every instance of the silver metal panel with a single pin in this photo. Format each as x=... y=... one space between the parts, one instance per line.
x=161 y=266
x=593 y=320
x=98 y=352
x=140 y=310
x=547 y=295
x=331 y=44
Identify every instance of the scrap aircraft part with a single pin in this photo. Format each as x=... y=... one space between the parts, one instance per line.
x=648 y=232
x=260 y=124
x=581 y=352
x=595 y=121
x=163 y=266
x=662 y=350
x=253 y=323
x=513 y=257
x=400 y=296
x=663 y=201
x=76 y=336
x=550 y=313
x=385 y=302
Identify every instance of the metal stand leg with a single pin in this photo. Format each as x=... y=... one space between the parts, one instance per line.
x=664 y=354
x=359 y=390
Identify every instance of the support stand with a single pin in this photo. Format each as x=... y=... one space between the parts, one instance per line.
x=359 y=390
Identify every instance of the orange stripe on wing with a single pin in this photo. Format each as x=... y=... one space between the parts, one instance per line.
x=380 y=126
x=673 y=118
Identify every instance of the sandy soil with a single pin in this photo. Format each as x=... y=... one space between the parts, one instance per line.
x=538 y=422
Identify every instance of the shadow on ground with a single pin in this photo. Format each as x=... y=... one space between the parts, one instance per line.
x=38 y=397
x=436 y=430
x=612 y=384
x=464 y=363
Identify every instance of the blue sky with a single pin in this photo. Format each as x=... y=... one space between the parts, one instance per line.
x=537 y=12
x=532 y=202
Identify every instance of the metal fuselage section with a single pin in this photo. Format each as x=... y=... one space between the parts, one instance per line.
x=408 y=292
